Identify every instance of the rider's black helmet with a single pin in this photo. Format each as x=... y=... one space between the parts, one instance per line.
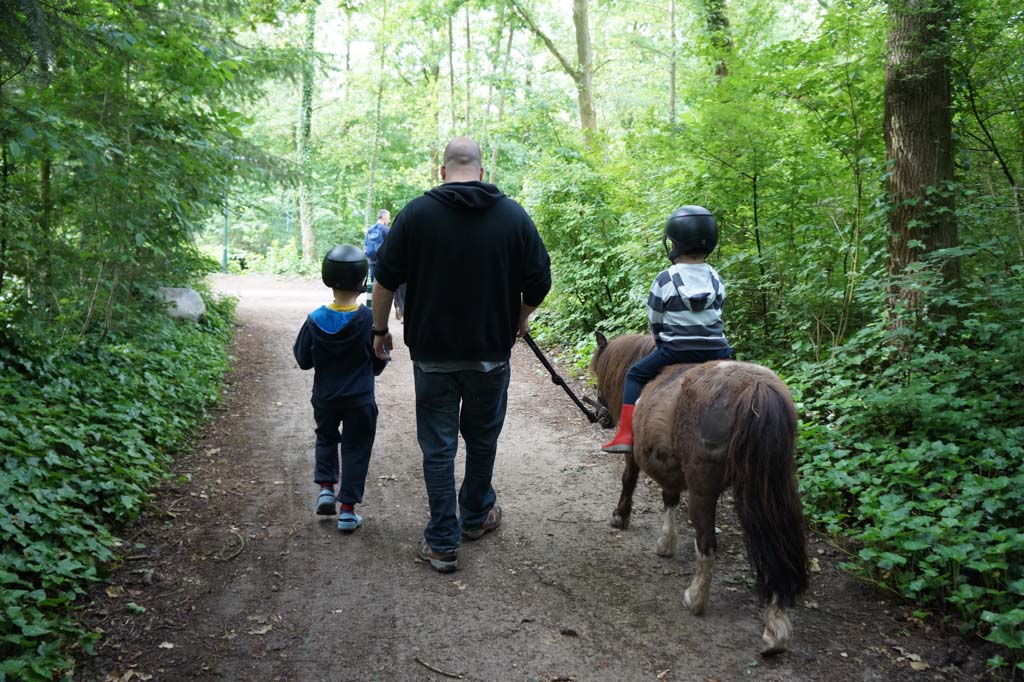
x=345 y=267
x=692 y=229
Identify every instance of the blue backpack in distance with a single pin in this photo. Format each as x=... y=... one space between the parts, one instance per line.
x=374 y=238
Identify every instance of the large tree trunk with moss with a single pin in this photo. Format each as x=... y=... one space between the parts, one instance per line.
x=918 y=140
x=305 y=151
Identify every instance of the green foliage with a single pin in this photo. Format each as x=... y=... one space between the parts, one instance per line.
x=912 y=446
x=585 y=237
x=87 y=430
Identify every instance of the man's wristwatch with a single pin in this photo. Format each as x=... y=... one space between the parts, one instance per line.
x=380 y=332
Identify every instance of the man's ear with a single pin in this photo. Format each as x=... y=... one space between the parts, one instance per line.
x=442 y=173
x=481 y=173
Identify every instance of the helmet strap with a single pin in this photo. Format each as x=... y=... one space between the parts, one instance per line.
x=672 y=254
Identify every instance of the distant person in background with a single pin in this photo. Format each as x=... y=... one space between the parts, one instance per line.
x=375 y=238
x=335 y=341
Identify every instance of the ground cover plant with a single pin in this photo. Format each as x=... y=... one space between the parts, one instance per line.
x=913 y=451
x=88 y=428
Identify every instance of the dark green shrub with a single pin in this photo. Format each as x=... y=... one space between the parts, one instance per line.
x=913 y=447
x=87 y=430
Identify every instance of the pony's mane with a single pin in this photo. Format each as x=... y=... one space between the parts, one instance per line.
x=611 y=363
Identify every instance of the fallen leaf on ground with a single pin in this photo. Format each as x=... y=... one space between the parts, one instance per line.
x=663 y=675
x=815 y=567
x=166 y=645
x=919 y=665
x=262 y=630
x=127 y=677
x=115 y=591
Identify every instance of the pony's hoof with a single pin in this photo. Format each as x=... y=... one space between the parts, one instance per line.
x=696 y=608
x=666 y=550
x=619 y=521
x=777 y=629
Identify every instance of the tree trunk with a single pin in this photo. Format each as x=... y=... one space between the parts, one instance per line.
x=305 y=150
x=469 y=51
x=451 y=73
x=672 y=61
x=585 y=71
x=348 y=51
x=721 y=40
x=377 y=118
x=433 y=76
x=46 y=228
x=582 y=74
x=493 y=166
x=5 y=174
x=495 y=70
x=918 y=140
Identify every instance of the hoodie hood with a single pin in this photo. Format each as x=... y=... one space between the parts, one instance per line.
x=475 y=196
x=334 y=329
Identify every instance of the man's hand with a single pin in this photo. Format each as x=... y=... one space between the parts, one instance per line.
x=382 y=346
x=524 y=319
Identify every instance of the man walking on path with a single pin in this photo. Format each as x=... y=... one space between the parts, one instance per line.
x=466 y=232
x=375 y=238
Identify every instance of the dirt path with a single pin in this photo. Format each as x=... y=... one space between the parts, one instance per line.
x=240 y=581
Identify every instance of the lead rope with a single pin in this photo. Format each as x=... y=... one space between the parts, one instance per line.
x=602 y=415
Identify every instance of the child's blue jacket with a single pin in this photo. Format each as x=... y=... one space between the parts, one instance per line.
x=338 y=346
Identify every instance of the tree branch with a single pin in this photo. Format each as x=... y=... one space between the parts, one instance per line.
x=532 y=25
x=991 y=142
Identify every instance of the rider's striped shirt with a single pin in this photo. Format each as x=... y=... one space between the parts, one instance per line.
x=685 y=308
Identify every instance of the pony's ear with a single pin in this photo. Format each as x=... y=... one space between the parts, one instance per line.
x=601 y=340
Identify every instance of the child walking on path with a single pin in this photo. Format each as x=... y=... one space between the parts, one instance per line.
x=684 y=308
x=337 y=343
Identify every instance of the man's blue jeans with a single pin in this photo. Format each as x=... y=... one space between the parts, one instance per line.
x=482 y=397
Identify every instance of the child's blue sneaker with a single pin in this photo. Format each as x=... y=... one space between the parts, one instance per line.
x=348 y=521
x=326 y=504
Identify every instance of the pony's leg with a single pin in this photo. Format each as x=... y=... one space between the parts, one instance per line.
x=702 y=515
x=777 y=628
x=620 y=518
x=667 y=542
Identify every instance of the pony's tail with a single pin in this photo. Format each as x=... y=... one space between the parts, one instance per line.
x=767 y=500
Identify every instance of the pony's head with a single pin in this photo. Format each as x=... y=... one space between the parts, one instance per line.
x=612 y=359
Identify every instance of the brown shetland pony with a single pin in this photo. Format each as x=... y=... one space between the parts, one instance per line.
x=702 y=428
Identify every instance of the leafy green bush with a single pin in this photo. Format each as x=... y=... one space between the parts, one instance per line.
x=87 y=429
x=913 y=447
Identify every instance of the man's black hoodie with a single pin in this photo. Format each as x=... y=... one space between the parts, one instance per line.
x=339 y=346
x=470 y=256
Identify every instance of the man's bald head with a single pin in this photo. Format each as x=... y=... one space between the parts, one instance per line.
x=463 y=160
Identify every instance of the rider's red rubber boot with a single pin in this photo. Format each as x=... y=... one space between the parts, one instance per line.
x=623 y=441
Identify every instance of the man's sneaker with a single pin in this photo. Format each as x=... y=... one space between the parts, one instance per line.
x=348 y=521
x=442 y=563
x=492 y=521
x=326 y=504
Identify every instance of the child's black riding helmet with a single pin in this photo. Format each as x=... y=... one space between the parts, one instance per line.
x=692 y=229
x=345 y=267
